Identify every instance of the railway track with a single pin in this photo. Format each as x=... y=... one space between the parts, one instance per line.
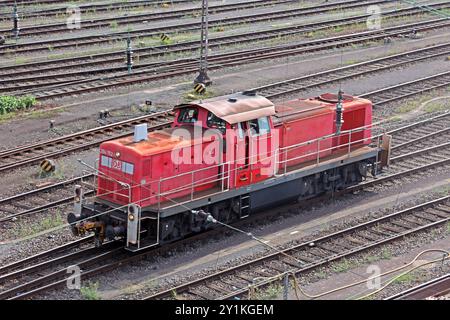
x=115 y=59
x=408 y=89
x=31 y=276
x=431 y=289
x=43 y=198
x=290 y=86
x=35 y=30
x=220 y=61
x=27 y=3
x=177 y=14
x=416 y=148
x=92 y=261
x=238 y=281
x=48 y=270
x=17 y=157
x=7 y=271
x=11 y=83
x=14 y=158
x=422 y=135
x=80 y=41
x=26 y=13
x=31 y=280
x=429 y=135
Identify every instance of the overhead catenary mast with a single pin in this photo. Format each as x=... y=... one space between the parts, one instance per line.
x=203 y=71
x=129 y=55
x=16 y=28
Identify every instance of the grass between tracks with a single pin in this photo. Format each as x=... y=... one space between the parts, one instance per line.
x=27 y=228
x=30 y=114
x=435 y=106
x=273 y=291
x=90 y=291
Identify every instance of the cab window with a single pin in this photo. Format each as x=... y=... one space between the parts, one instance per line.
x=241 y=129
x=188 y=115
x=259 y=126
x=216 y=123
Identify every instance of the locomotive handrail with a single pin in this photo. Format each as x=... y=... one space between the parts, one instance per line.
x=194 y=171
x=333 y=135
x=334 y=147
x=318 y=152
x=328 y=149
x=222 y=176
x=180 y=188
x=225 y=173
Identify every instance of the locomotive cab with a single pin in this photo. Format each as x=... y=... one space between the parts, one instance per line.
x=245 y=122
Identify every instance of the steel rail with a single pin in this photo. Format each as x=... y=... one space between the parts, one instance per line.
x=36 y=192
x=49 y=281
x=65 y=200
x=8 y=268
x=18 y=291
x=408 y=89
x=433 y=288
x=25 y=3
x=34 y=268
x=40 y=146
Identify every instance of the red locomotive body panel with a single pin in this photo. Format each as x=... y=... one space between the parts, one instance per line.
x=117 y=165
x=357 y=114
x=300 y=121
x=160 y=168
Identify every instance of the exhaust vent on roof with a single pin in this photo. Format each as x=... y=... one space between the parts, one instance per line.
x=232 y=100
x=140 y=132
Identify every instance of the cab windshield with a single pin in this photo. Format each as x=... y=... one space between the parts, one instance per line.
x=215 y=123
x=188 y=115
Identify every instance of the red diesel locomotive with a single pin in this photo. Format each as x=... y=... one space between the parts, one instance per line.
x=230 y=156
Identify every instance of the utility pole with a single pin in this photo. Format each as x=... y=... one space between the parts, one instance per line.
x=129 y=55
x=203 y=71
x=16 y=28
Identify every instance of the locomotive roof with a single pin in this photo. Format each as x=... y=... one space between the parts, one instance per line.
x=236 y=107
x=302 y=108
x=161 y=141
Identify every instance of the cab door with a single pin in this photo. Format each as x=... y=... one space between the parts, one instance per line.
x=260 y=149
x=242 y=175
